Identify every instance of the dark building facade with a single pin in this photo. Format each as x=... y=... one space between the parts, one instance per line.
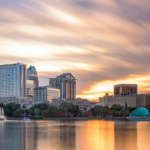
x=67 y=85
x=125 y=89
x=32 y=75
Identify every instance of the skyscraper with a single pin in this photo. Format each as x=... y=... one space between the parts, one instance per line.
x=32 y=75
x=66 y=83
x=12 y=81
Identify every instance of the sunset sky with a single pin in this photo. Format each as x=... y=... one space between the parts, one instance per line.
x=101 y=42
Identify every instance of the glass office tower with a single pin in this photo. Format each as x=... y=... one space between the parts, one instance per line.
x=12 y=81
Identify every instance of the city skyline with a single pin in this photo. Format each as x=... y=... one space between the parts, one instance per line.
x=102 y=43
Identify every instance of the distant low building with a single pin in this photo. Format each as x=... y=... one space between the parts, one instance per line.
x=45 y=94
x=18 y=100
x=99 y=104
x=135 y=100
x=83 y=104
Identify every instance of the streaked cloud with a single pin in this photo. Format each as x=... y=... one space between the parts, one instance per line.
x=101 y=42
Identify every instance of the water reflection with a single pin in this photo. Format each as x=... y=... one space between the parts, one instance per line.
x=67 y=135
x=96 y=135
x=143 y=133
x=126 y=135
x=74 y=135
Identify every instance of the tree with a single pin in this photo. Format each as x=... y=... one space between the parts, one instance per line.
x=89 y=113
x=42 y=112
x=74 y=109
x=11 y=108
x=1 y=105
x=102 y=112
x=64 y=107
x=18 y=112
x=133 y=108
x=70 y=115
x=96 y=110
x=125 y=113
x=60 y=114
x=30 y=111
x=24 y=106
x=42 y=106
x=106 y=110
x=36 y=112
x=53 y=112
x=116 y=107
x=46 y=114
x=84 y=114
x=84 y=109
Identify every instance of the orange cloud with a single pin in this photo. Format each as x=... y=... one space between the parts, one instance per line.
x=106 y=86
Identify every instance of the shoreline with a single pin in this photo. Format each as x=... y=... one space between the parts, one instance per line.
x=84 y=118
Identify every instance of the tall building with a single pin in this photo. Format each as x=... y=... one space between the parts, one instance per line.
x=125 y=89
x=12 y=81
x=45 y=94
x=32 y=75
x=66 y=83
x=30 y=88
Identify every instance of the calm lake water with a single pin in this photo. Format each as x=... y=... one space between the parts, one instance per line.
x=74 y=135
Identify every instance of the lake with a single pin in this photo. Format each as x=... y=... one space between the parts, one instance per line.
x=74 y=135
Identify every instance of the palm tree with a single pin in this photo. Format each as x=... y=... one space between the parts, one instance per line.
x=85 y=109
x=24 y=107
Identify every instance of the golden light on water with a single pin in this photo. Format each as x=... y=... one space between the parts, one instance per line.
x=96 y=135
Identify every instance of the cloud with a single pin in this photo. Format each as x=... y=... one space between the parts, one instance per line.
x=100 y=42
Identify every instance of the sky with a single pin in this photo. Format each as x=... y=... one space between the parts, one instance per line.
x=101 y=42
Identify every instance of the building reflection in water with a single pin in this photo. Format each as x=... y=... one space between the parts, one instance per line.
x=67 y=135
x=10 y=136
x=125 y=135
x=47 y=135
x=95 y=134
x=15 y=135
x=74 y=135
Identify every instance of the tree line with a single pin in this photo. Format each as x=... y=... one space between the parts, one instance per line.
x=64 y=110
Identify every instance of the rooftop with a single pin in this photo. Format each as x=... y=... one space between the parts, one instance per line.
x=125 y=85
x=69 y=75
x=4 y=65
x=31 y=68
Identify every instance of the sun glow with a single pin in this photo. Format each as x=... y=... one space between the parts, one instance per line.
x=107 y=86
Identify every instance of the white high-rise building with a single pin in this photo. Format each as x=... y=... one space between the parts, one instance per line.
x=12 y=81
